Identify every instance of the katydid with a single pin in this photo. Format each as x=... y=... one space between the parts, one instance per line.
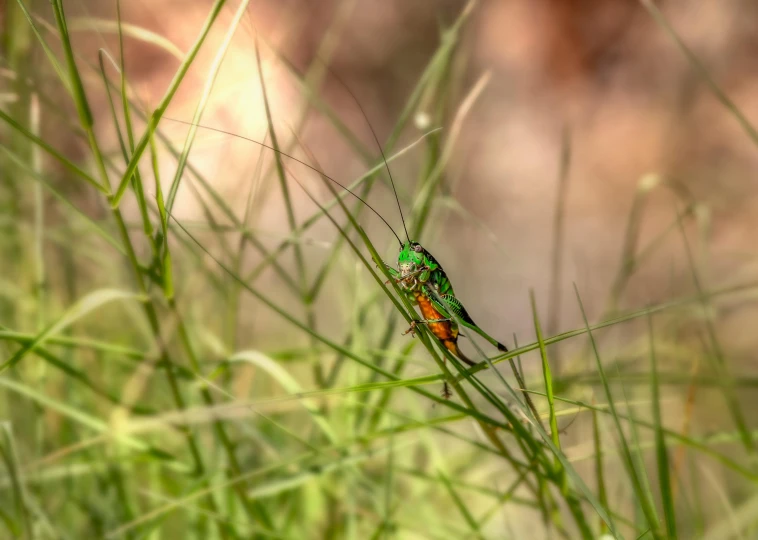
x=418 y=271
x=419 y=276
x=424 y=282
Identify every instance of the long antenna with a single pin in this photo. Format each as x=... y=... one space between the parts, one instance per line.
x=323 y=174
x=376 y=139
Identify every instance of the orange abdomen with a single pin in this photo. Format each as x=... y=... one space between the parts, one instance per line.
x=444 y=331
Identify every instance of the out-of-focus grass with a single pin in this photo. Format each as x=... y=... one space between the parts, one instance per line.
x=135 y=404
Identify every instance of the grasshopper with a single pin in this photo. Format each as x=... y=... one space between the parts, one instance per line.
x=419 y=276
x=424 y=282
x=417 y=273
x=426 y=285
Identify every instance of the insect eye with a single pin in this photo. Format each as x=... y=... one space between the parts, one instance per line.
x=418 y=248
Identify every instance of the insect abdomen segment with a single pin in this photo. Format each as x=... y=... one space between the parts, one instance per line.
x=443 y=330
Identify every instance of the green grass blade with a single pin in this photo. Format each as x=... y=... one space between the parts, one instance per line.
x=166 y=262
x=661 y=451
x=647 y=505
x=9 y=458
x=461 y=505
x=164 y=103
x=639 y=463
x=80 y=97
x=90 y=303
x=602 y=490
x=68 y=164
x=547 y=376
x=701 y=70
x=210 y=80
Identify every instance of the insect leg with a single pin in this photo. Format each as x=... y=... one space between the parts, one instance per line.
x=500 y=347
x=468 y=322
x=394 y=273
x=446 y=393
x=414 y=324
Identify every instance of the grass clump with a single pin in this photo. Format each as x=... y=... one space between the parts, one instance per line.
x=136 y=403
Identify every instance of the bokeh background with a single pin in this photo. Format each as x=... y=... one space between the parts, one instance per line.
x=583 y=143
x=599 y=77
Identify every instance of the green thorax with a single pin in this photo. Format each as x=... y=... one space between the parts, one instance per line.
x=421 y=270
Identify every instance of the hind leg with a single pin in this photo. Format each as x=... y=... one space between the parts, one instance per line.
x=446 y=393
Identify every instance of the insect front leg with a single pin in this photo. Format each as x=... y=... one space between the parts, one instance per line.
x=420 y=275
x=397 y=277
x=392 y=272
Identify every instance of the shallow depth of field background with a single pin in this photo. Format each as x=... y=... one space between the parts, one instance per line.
x=603 y=149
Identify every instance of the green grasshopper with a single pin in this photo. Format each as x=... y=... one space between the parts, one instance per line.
x=426 y=285
x=419 y=276
x=418 y=273
x=424 y=282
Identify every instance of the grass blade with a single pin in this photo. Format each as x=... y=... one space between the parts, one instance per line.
x=641 y=494
x=661 y=451
x=157 y=114
x=90 y=303
x=701 y=70
x=9 y=458
x=546 y=374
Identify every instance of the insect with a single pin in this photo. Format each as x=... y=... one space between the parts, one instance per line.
x=425 y=283
x=419 y=276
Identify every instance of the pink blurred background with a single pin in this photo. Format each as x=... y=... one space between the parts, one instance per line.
x=634 y=109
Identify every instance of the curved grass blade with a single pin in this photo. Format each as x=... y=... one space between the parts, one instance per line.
x=278 y=373
x=701 y=70
x=83 y=307
x=85 y=419
x=140 y=33
x=163 y=105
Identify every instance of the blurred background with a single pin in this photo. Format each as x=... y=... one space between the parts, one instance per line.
x=603 y=144
x=599 y=81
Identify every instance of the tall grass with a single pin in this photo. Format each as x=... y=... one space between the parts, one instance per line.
x=136 y=403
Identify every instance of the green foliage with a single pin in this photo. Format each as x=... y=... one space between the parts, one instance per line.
x=135 y=403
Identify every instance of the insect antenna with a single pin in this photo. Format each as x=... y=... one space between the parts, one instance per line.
x=293 y=158
x=376 y=139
